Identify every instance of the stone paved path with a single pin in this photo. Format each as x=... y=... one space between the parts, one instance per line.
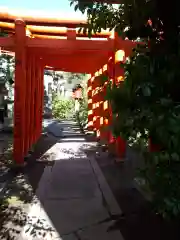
x=73 y=200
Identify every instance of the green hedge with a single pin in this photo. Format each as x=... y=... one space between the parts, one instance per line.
x=62 y=108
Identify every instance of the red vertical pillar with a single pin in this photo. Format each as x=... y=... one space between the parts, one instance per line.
x=41 y=97
x=25 y=118
x=35 y=107
x=39 y=100
x=119 y=74
x=153 y=147
x=36 y=102
x=27 y=104
x=30 y=99
x=90 y=111
x=123 y=49
x=111 y=80
x=104 y=105
x=93 y=103
x=33 y=81
x=96 y=106
x=19 y=91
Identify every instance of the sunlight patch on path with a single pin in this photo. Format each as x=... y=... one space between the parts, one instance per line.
x=39 y=225
x=71 y=204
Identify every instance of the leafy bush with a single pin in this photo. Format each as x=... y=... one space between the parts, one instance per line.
x=62 y=108
x=147 y=103
x=83 y=113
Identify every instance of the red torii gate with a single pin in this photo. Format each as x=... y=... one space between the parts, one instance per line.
x=39 y=42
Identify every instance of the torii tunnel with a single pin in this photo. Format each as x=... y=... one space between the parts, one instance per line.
x=39 y=43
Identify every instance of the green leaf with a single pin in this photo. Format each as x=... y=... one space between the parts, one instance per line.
x=175 y=157
x=148 y=100
x=71 y=3
x=104 y=78
x=165 y=101
x=146 y=91
x=76 y=7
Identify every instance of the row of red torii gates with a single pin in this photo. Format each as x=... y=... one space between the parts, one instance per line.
x=41 y=43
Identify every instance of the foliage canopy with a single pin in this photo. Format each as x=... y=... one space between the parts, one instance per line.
x=147 y=103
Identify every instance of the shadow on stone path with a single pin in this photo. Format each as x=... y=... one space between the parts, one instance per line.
x=72 y=200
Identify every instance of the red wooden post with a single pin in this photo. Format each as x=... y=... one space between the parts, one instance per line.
x=31 y=101
x=103 y=106
x=27 y=105
x=96 y=104
x=111 y=79
x=41 y=96
x=33 y=81
x=93 y=103
x=36 y=103
x=19 y=93
x=153 y=147
x=39 y=100
x=90 y=111
x=119 y=73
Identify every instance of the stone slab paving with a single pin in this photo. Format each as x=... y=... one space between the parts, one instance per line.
x=69 y=215
x=69 y=237
x=71 y=204
x=100 y=231
x=107 y=193
x=55 y=129
x=81 y=182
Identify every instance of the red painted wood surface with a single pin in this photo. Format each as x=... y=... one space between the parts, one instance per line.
x=54 y=32
x=28 y=103
x=153 y=147
x=41 y=96
x=19 y=93
x=40 y=47
x=27 y=106
x=33 y=104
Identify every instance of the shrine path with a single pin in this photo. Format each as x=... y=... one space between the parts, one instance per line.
x=73 y=200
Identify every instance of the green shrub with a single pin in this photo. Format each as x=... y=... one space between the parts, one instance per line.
x=83 y=112
x=147 y=104
x=62 y=108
